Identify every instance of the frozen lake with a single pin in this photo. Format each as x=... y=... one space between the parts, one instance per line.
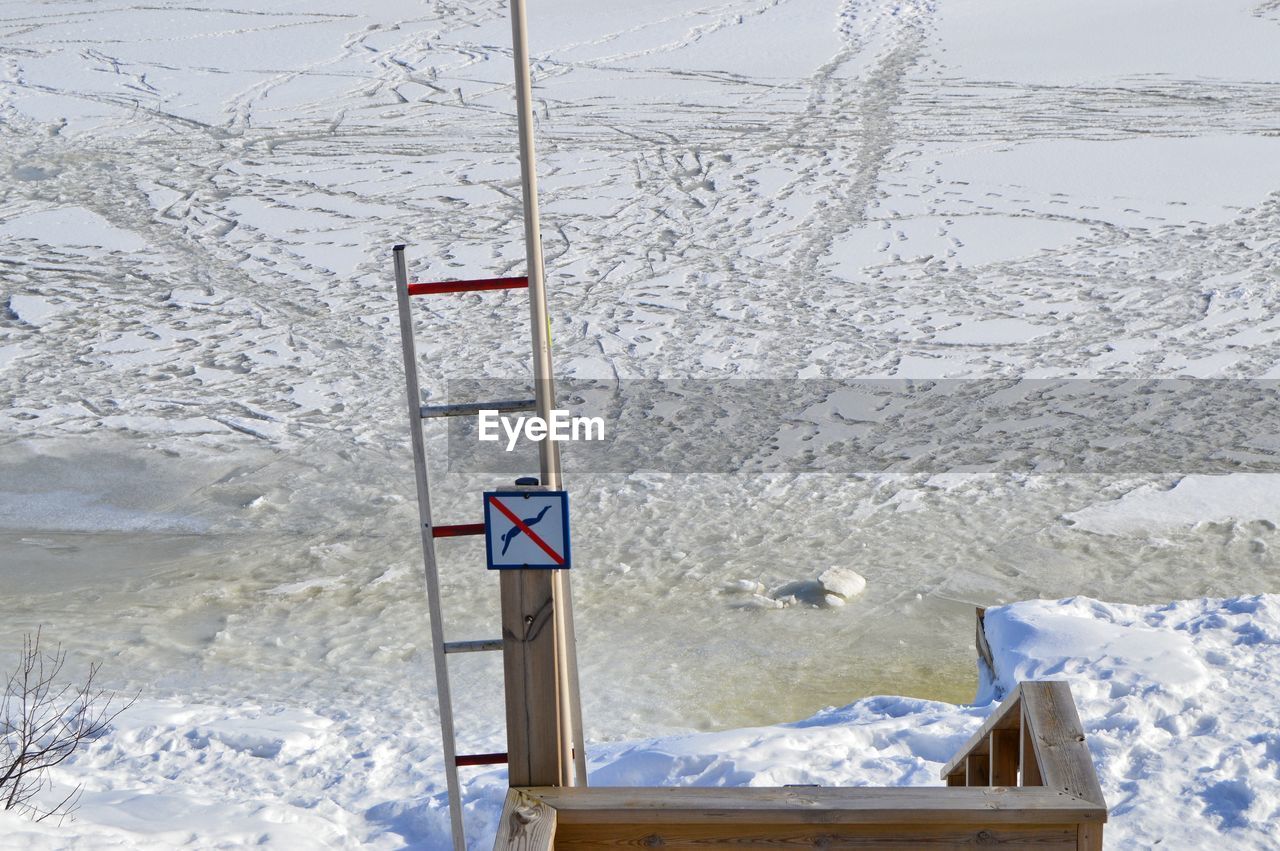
x=204 y=476
x=288 y=576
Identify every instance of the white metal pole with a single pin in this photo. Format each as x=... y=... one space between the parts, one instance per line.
x=544 y=387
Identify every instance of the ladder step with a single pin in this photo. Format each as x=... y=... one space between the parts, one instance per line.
x=439 y=287
x=473 y=646
x=481 y=759
x=464 y=409
x=458 y=530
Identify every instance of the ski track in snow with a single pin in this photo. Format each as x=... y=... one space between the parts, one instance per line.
x=195 y=225
x=657 y=217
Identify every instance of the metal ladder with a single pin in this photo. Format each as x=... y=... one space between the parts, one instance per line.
x=441 y=648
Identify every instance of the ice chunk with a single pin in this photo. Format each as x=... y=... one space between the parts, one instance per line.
x=843 y=582
x=832 y=589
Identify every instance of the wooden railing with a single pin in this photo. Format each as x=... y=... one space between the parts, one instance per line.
x=1033 y=739
x=1024 y=781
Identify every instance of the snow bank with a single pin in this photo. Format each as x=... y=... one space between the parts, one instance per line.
x=1180 y=704
x=1179 y=701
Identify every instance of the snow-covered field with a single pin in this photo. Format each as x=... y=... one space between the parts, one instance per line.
x=1178 y=703
x=204 y=479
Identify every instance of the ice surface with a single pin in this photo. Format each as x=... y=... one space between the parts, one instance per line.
x=33 y=310
x=1193 y=500
x=73 y=227
x=1078 y=41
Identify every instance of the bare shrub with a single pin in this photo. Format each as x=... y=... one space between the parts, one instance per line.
x=43 y=723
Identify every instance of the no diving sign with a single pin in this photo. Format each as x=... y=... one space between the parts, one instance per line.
x=526 y=529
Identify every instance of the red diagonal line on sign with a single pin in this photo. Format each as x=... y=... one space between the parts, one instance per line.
x=523 y=528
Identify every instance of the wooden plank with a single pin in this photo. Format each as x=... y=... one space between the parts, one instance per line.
x=977 y=770
x=698 y=837
x=1058 y=738
x=981 y=643
x=527 y=824
x=850 y=805
x=955 y=778
x=1004 y=717
x=1005 y=746
x=530 y=676
x=1089 y=837
x=1027 y=759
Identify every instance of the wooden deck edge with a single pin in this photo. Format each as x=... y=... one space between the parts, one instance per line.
x=975 y=806
x=942 y=837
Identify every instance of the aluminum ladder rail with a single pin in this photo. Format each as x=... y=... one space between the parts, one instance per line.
x=441 y=648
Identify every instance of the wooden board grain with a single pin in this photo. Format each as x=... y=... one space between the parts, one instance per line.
x=699 y=837
x=530 y=676
x=1030 y=763
x=977 y=769
x=1058 y=738
x=981 y=806
x=1089 y=837
x=1005 y=745
x=527 y=824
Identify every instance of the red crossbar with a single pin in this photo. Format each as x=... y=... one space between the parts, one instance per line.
x=468 y=286
x=457 y=531
x=481 y=759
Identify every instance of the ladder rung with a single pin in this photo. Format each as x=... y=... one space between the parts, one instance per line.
x=457 y=530
x=438 y=287
x=473 y=646
x=463 y=409
x=480 y=759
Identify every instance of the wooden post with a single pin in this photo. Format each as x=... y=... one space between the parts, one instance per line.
x=532 y=683
x=1089 y=837
x=1004 y=757
x=1027 y=759
x=977 y=770
x=569 y=738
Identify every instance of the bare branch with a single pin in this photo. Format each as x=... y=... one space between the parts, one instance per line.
x=42 y=724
